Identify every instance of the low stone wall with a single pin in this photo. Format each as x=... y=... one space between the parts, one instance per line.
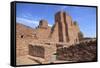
x=79 y=52
x=37 y=51
x=42 y=51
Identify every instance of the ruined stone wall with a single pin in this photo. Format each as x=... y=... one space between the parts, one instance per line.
x=62 y=27
x=24 y=35
x=43 y=30
x=73 y=29
x=66 y=31
x=41 y=51
x=37 y=51
x=73 y=32
x=21 y=48
x=43 y=33
x=54 y=36
x=63 y=31
x=85 y=51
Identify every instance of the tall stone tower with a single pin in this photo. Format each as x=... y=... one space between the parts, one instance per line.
x=65 y=30
x=63 y=24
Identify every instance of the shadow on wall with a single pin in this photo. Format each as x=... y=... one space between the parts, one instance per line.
x=36 y=51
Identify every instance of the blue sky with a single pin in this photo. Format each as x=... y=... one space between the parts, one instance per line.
x=30 y=15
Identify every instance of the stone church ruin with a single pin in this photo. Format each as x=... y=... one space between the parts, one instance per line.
x=40 y=45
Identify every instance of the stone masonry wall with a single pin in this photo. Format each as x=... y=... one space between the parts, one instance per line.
x=64 y=30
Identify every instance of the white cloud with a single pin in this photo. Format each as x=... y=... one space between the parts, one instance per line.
x=27 y=15
x=28 y=22
x=50 y=25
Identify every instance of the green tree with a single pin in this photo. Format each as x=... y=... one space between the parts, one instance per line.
x=80 y=35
